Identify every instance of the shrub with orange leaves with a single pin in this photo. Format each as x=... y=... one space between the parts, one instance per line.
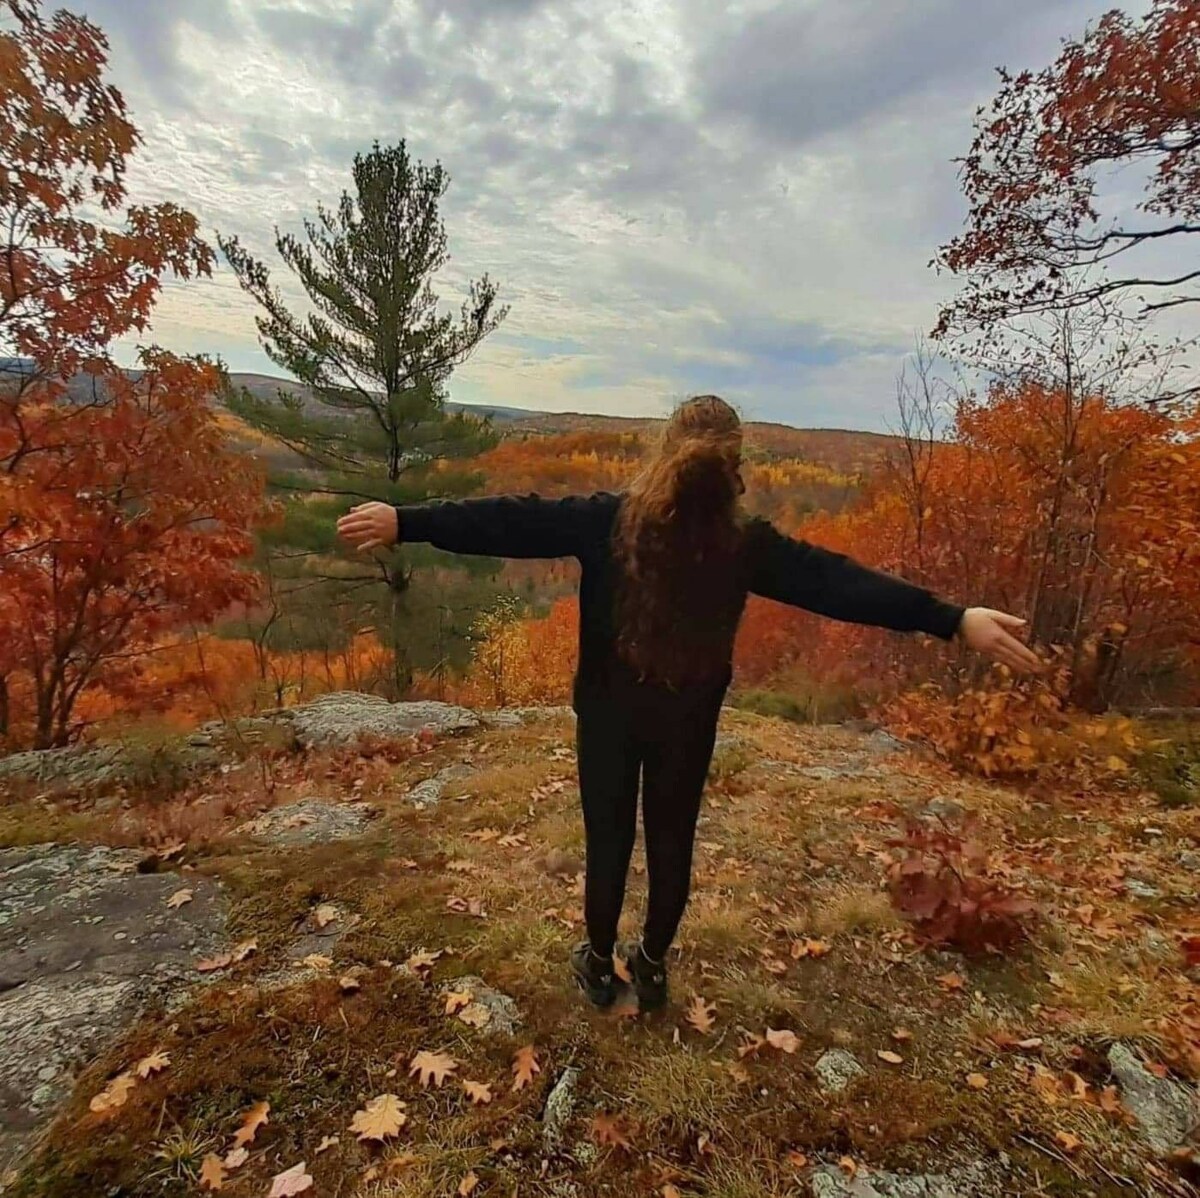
x=1015 y=730
x=517 y=661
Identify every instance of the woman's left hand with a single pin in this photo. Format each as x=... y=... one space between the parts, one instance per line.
x=987 y=631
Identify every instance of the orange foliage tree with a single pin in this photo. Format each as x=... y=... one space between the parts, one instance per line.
x=69 y=283
x=1078 y=512
x=186 y=681
x=121 y=515
x=128 y=521
x=517 y=661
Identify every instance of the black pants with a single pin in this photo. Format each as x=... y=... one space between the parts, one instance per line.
x=641 y=733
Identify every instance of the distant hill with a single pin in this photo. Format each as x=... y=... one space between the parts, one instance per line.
x=265 y=386
x=844 y=450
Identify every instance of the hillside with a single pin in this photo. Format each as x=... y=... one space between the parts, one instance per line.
x=236 y=966
x=845 y=451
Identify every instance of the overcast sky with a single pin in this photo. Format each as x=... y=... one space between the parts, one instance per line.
x=674 y=195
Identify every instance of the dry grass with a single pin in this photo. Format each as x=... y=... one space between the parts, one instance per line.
x=781 y=858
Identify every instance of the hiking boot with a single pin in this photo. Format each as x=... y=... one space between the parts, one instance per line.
x=595 y=975
x=649 y=978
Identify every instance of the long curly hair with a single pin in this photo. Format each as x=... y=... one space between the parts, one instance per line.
x=677 y=543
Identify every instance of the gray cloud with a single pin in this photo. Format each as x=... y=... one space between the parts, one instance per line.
x=147 y=31
x=742 y=196
x=798 y=72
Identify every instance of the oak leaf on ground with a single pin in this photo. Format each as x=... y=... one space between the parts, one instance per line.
x=432 y=1066
x=381 y=1119
x=114 y=1095
x=252 y=1120
x=212 y=1172
x=525 y=1065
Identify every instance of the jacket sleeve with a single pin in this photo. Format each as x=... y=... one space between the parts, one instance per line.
x=507 y=526
x=834 y=585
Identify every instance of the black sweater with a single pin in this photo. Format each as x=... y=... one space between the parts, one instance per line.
x=778 y=567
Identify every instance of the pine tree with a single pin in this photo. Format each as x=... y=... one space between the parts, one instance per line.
x=375 y=353
x=373 y=357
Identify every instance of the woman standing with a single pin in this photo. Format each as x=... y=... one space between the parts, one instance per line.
x=666 y=568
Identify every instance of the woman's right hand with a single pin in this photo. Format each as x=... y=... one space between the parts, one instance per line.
x=370 y=526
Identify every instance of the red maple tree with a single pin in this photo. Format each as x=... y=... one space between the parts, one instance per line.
x=1124 y=96
x=121 y=512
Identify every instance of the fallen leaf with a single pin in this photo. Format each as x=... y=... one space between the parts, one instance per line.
x=327 y=1143
x=1110 y=1101
x=422 y=962
x=253 y=1119
x=525 y=1065
x=700 y=1015
x=608 y=1129
x=461 y=867
x=797 y=1159
x=621 y=969
x=325 y=914
x=171 y=850
x=179 y=898
x=212 y=1172
x=810 y=948
x=432 y=1066
x=1030 y=1044
x=783 y=1040
x=774 y=965
x=317 y=961
x=156 y=1062
x=669 y=1191
x=381 y=1119
x=1045 y=1085
x=114 y=1095
x=901 y=1034
x=1068 y=1143
x=951 y=982
x=476 y=1015
x=467 y=1186
x=456 y=1000
x=514 y=840
x=892 y=1058
x=291 y=1181
x=236 y=1157
x=848 y=1165
x=212 y=964
x=243 y=950
x=750 y=1047
x=349 y=984
x=739 y=1072
x=483 y=835
x=977 y=1081
x=480 y=1093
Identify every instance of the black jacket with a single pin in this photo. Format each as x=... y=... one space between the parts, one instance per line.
x=778 y=567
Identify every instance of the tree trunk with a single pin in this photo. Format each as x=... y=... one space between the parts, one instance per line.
x=4 y=707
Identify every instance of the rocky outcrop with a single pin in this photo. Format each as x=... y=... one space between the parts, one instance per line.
x=341 y=718
x=1166 y=1111
x=86 y=944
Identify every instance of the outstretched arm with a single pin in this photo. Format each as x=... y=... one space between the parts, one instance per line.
x=506 y=526
x=834 y=585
